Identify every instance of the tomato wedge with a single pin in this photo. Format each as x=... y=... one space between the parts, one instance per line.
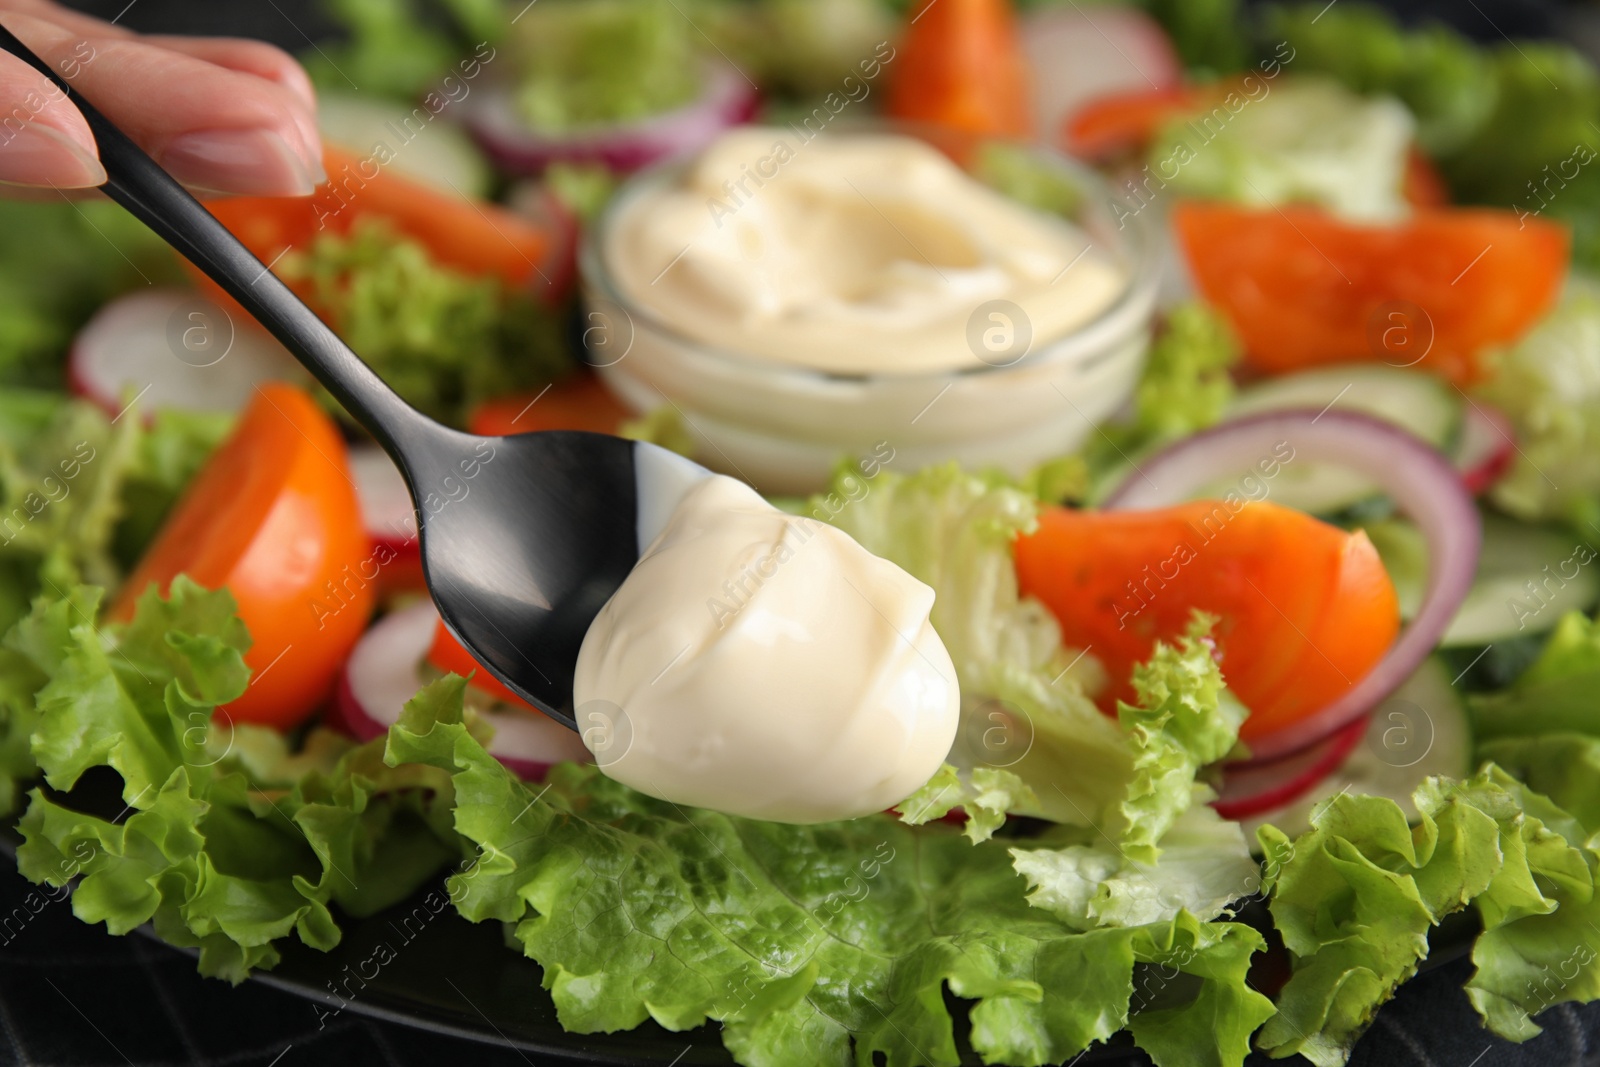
x=475 y=238
x=1303 y=288
x=578 y=402
x=961 y=66
x=273 y=517
x=1305 y=609
x=451 y=656
x=1119 y=124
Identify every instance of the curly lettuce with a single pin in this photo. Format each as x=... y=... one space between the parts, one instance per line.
x=215 y=859
x=831 y=944
x=441 y=339
x=589 y=63
x=1304 y=140
x=1549 y=385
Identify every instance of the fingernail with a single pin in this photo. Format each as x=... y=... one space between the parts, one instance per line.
x=241 y=162
x=38 y=155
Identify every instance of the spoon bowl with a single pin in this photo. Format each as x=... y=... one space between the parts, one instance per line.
x=524 y=538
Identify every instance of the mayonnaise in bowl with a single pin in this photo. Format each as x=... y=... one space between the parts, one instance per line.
x=801 y=300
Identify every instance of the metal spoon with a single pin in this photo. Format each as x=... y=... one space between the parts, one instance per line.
x=523 y=538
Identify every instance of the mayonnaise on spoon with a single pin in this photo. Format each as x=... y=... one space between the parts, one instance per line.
x=766 y=665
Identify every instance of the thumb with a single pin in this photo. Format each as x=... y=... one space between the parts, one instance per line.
x=44 y=141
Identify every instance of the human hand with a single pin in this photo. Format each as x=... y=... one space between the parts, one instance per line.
x=222 y=115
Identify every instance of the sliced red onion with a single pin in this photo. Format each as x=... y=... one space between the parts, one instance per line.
x=1256 y=788
x=1487 y=444
x=727 y=99
x=384 y=671
x=1421 y=482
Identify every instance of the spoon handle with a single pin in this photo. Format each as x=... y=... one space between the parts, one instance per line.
x=155 y=198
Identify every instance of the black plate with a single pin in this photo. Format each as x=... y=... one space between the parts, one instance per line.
x=439 y=972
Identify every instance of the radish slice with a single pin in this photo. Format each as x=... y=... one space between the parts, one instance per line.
x=173 y=348
x=1420 y=481
x=1487 y=444
x=1078 y=53
x=490 y=115
x=386 y=509
x=385 y=671
x=1252 y=789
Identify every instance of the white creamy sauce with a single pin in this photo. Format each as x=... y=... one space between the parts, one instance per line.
x=852 y=253
x=765 y=665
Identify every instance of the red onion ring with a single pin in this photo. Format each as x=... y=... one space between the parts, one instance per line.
x=490 y=115
x=1420 y=481
x=1255 y=789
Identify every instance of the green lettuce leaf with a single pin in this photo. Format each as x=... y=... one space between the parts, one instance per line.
x=441 y=339
x=1549 y=385
x=1555 y=694
x=1024 y=707
x=401 y=50
x=1184 y=719
x=984 y=795
x=1301 y=140
x=1355 y=896
x=594 y=62
x=828 y=944
x=1541 y=917
x=81 y=495
x=1445 y=80
x=60 y=262
x=1204 y=865
x=213 y=859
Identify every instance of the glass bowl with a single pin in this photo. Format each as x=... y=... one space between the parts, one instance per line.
x=785 y=428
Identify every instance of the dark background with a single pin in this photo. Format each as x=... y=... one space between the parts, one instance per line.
x=72 y=996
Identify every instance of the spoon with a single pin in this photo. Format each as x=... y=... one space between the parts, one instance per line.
x=524 y=538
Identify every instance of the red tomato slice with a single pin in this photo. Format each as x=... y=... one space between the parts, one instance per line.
x=961 y=66
x=452 y=657
x=578 y=402
x=273 y=518
x=1305 y=609
x=1303 y=288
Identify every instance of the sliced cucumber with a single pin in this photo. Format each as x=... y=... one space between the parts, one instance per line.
x=1528 y=577
x=415 y=142
x=1420 y=403
x=1420 y=731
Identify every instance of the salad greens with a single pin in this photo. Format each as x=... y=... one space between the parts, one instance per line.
x=60 y=262
x=1304 y=140
x=1445 y=80
x=637 y=908
x=215 y=859
x=398 y=49
x=1553 y=696
x=444 y=341
x=592 y=62
x=1024 y=703
x=1511 y=125
x=81 y=495
x=1548 y=383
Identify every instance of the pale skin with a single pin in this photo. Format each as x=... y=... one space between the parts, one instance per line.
x=224 y=116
